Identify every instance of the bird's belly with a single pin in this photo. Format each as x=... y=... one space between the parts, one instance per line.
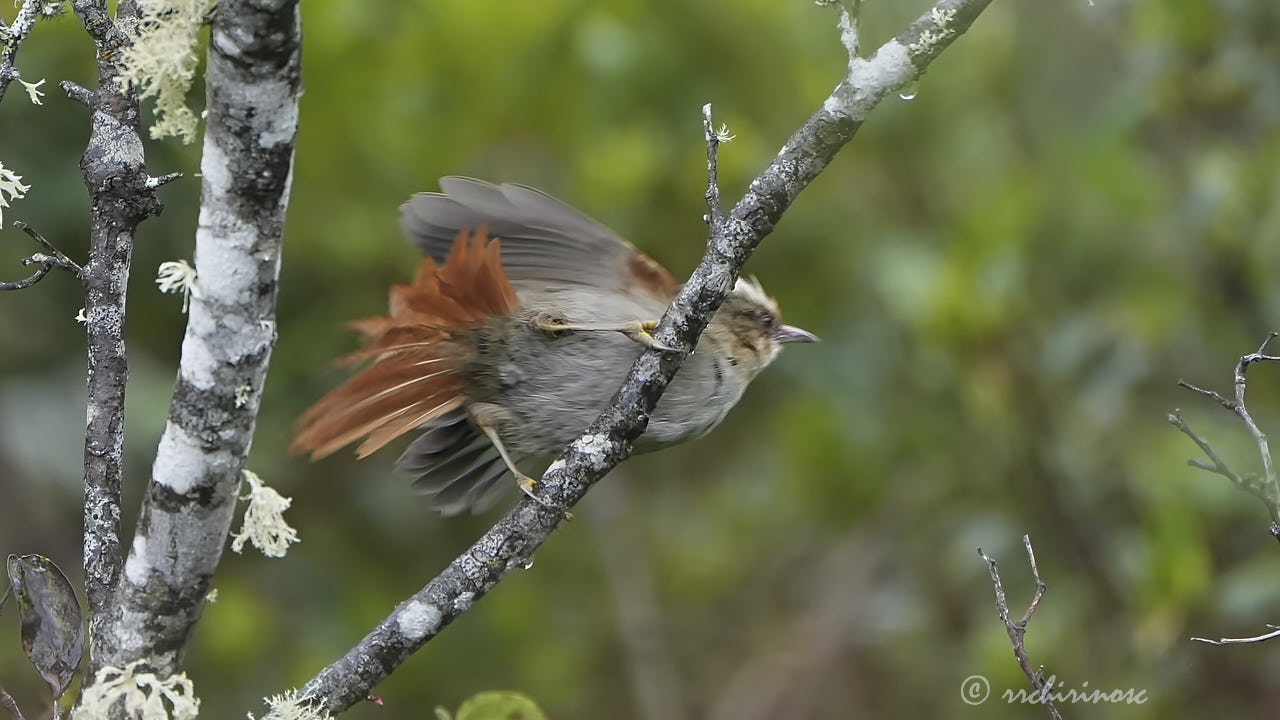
x=552 y=388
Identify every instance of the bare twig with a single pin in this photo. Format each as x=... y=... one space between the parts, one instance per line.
x=715 y=215
x=1217 y=465
x=510 y=542
x=1275 y=633
x=155 y=182
x=7 y=701
x=79 y=93
x=46 y=262
x=1267 y=488
x=850 y=10
x=1017 y=629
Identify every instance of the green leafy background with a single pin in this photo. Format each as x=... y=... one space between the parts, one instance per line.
x=1009 y=273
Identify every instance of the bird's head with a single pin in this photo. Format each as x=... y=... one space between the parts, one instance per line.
x=754 y=329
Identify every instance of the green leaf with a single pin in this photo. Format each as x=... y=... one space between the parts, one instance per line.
x=500 y=705
x=52 y=623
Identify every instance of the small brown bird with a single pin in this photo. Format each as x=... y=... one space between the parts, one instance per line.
x=506 y=350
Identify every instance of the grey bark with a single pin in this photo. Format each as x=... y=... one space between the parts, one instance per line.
x=13 y=35
x=511 y=542
x=253 y=88
x=120 y=198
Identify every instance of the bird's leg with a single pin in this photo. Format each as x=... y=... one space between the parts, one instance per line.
x=640 y=331
x=482 y=416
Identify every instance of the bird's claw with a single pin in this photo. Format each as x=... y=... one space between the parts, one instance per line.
x=642 y=332
x=527 y=484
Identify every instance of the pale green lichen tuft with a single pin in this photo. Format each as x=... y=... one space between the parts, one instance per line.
x=11 y=185
x=264 y=524
x=161 y=62
x=33 y=91
x=141 y=695
x=931 y=37
x=177 y=276
x=291 y=707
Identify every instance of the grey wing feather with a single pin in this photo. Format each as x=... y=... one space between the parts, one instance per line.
x=454 y=465
x=544 y=241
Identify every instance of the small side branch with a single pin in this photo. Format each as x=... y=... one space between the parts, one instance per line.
x=8 y=703
x=46 y=263
x=715 y=215
x=1267 y=488
x=1275 y=633
x=1017 y=629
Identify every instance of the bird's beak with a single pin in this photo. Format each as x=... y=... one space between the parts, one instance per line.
x=792 y=334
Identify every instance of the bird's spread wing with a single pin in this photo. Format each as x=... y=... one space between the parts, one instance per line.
x=544 y=241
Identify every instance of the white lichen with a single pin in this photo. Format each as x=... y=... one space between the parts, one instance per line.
x=212 y=596
x=290 y=706
x=264 y=524
x=136 y=567
x=723 y=135
x=161 y=62
x=11 y=185
x=243 y=394
x=81 y=317
x=419 y=619
x=141 y=695
x=33 y=90
x=177 y=276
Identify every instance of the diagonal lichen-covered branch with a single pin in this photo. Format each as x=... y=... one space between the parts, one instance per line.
x=253 y=88
x=509 y=543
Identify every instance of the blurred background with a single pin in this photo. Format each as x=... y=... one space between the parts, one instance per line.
x=1010 y=272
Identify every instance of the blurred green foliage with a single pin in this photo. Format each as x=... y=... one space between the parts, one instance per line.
x=493 y=705
x=1009 y=272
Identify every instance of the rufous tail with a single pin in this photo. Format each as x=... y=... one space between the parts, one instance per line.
x=416 y=352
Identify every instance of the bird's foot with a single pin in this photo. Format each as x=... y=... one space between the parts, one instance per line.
x=642 y=332
x=527 y=485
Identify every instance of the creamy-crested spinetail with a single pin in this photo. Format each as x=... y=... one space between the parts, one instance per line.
x=505 y=350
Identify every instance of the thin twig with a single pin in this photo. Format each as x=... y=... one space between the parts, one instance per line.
x=155 y=182
x=513 y=539
x=79 y=93
x=1267 y=487
x=1275 y=633
x=10 y=704
x=1216 y=465
x=1017 y=630
x=715 y=215
x=46 y=262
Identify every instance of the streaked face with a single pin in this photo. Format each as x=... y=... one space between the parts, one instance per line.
x=753 y=319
